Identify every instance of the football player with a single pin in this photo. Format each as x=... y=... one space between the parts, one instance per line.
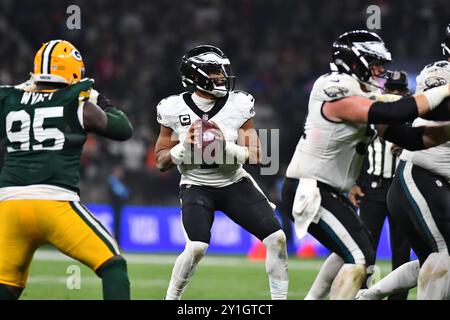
x=329 y=155
x=207 y=186
x=369 y=194
x=44 y=124
x=420 y=201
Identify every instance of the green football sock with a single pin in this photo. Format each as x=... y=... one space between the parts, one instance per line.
x=116 y=285
x=9 y=293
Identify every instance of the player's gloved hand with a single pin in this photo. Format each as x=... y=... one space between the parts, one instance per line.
x=183 y=149
x=355 y=195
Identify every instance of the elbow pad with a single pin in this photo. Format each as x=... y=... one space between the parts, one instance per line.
x=396 y=112
x=118 y=127
x=409 y=138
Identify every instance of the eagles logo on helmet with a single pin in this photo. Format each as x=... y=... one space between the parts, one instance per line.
x=199 y=64
x=356 y=51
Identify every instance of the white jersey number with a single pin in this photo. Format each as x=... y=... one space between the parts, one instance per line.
x=18 y=126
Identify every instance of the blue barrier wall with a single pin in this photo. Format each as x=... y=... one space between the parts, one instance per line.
x=158 y=230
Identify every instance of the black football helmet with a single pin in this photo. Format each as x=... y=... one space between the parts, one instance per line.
x=197 y=65
x=355 y=51
x=446 y=44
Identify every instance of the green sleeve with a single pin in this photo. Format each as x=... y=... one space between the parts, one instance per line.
x=118 y=127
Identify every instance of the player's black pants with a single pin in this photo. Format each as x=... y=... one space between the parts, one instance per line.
x=373 y=212
x=420 y=202
x=240 y=201
x=340 y=229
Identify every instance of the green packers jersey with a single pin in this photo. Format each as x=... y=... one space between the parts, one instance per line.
x=43 y=136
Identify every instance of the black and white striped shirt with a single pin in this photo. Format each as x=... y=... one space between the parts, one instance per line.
x=382 y=163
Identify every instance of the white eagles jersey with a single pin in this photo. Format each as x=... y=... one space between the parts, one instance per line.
x=331 y=152
x=230 y=113
x=437 y=159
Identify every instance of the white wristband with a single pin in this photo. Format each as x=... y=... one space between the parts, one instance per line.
x=178 y=152
x=435 y=95
x=237 y=151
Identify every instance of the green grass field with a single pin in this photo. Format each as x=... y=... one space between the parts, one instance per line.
x=217 y=277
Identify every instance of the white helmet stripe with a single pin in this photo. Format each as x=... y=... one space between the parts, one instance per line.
x=45 y=67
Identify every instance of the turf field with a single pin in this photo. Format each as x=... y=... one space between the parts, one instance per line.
x=217 y=277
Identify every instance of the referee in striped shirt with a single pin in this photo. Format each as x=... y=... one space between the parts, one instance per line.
x=370 y=191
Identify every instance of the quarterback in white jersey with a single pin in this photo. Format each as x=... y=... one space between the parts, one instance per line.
x=329 y=155
x=212 y=114
x=179 y=112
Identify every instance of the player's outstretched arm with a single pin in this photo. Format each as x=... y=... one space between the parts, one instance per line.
x=110 y=122
x=415 y=138
x=363 y=110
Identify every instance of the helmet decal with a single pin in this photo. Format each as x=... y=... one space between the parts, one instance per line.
x=206 y=68
x=76 y=54
x=356 y=51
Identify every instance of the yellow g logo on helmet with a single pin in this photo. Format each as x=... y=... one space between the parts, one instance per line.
x=58 y=61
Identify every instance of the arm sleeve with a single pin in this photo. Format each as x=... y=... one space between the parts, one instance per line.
x=396 y=112
x=118 y=127
x=440 y=113
x=410 y=138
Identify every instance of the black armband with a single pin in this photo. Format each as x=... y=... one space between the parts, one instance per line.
x=440 y=113
x=410 y=138
x=396 y=112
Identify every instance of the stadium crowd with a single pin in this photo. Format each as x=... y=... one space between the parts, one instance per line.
x=133 y=50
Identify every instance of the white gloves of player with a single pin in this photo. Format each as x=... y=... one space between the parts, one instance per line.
x=178 y=153
x=240 y=153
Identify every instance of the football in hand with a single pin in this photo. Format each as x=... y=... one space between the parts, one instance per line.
x=207 y=133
